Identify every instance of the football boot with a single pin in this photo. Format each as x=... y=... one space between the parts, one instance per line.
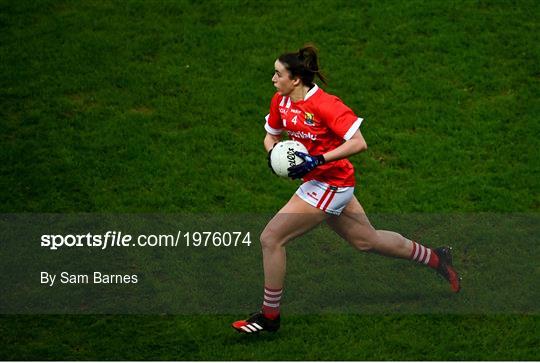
x=445 y=268
x=256 y=323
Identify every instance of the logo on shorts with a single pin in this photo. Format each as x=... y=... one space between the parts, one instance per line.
x=313 y=195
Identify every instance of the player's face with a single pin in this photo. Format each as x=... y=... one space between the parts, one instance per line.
x=282 y=79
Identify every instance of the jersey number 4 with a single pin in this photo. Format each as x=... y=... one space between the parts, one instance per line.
x=294 y=121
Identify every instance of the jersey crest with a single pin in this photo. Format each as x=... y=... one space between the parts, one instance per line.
x=308 y=119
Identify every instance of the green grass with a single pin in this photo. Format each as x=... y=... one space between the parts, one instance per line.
x=154 y=106
x=328 y=337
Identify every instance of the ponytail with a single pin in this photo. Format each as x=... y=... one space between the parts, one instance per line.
x=303 y=64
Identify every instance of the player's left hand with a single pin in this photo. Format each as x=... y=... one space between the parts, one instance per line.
x=310 y=163
x=268 y=157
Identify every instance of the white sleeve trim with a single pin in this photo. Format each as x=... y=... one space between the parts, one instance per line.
x=355 y=126
x=270 y=129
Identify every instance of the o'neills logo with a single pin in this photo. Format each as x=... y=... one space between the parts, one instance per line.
x=291 y=156
x=302 y=135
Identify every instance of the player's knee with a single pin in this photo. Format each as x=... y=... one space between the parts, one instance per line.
x=269 y=240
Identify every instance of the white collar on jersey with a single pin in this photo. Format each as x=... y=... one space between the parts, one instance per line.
x=311 y=92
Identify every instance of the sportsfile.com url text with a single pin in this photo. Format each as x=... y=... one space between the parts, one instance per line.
x=120 y=239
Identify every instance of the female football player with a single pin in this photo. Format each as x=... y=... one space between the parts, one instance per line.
x=331 y=133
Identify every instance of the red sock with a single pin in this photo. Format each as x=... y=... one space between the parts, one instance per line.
x=424 y=255
x=272 y=298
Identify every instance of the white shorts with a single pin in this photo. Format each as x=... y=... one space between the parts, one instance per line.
x=328 y=198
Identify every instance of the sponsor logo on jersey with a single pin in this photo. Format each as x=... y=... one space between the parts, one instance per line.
x=309 y=119
x=302 y=135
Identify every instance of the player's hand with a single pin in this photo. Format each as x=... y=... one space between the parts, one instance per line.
x=310 y=163
x=268 y=157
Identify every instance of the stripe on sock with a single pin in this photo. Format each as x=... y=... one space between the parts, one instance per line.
x=421 y=253
x=426 y=260
x=270 y=292
x=272 y=299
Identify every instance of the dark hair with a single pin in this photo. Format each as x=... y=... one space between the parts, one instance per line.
x=303 y=64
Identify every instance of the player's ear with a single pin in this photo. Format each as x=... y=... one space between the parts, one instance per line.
x=296 y=81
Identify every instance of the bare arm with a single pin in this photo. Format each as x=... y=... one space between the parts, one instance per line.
x=350 y=147
x=270 y=140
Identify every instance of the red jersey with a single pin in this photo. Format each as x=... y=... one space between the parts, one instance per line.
x=321 y=122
